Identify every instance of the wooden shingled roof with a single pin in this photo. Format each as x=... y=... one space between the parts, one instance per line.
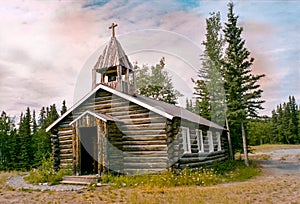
x=164 y=109
x=112 y=56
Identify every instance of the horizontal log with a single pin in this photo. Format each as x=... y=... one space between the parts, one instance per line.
x=199 y=164
x=115 y=139
x=66 y=146
x=144 y=132
x=111 y=102
x=145 y=153
x=64 y=134
x=66 y=151
x=68 y=128
x=116 y=109
x=143 y=137
x=149 y=142
x=152 y=126
x=144 y=165
x=63 y=138
x=65 y=125
x=121 y=115
x=203 y=154
x=66 y=161
x=199 y=159
x=144 y=147
x=103 y=93
x=65 y=156
x=112 y=130
x=138 y=114
x=115 y=135
x=63 y=142
x=145 y=159
x=145 y=120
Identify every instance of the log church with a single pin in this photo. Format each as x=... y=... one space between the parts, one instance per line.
x=115 y=129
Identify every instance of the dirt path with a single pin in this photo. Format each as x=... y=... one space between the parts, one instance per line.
x=281 y=162
x=280 y=183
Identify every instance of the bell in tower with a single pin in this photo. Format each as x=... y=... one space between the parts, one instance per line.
x=114 y=67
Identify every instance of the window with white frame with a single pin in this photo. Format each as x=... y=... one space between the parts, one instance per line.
x=200 y=140
x=210 y=141
x=219 y=141
x=185 y=133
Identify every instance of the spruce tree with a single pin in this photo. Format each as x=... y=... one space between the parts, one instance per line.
x=243 y=94
x=5 y=127
x=42 y=117
x=209 y=87
x=34 y=124
x=63 y=108
x=294 y=119
x=202 y=104
x=274 y=124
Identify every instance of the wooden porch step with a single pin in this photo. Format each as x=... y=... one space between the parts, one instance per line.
x=80 y=180
x=75 y=182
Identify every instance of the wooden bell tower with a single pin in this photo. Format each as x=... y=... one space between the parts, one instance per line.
x=114 y=67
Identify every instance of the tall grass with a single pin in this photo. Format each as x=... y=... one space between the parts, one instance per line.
x=219 y=173
x=46 y=173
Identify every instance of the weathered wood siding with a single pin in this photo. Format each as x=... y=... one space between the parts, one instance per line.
x=65 y=134
x=143 y=142
x=179 y=159
x=138 y=144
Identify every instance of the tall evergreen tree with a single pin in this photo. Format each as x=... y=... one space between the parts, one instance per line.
x=209 y=87
x=34 y=124
x=274 y=124
x=63 y=108
x=42 y=117
x=294 y=119
x=5 y=125
x=25 y=142
x=243 y=94
x=13 y=150
x=202 y=104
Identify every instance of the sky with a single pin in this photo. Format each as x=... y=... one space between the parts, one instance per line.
x=48 y=48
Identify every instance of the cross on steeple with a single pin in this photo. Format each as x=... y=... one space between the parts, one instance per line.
x=113 y=28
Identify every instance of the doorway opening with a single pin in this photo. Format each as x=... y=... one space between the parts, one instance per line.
x=88 y=150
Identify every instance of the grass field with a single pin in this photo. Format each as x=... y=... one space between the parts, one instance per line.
x=265 y=188
x=272 y=147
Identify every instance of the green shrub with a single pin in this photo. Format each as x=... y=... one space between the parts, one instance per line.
x=46 y=173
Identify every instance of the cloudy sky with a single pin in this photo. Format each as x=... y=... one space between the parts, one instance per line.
x=48 y=48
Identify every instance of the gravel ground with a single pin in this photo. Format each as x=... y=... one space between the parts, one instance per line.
x=282 y=162
x=19 y=183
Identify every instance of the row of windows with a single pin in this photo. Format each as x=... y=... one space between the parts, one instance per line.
x=200 y=140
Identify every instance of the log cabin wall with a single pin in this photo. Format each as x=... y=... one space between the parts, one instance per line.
x=180 y=159
x=114 y=148
x=143 y=142
x=65 y=136
x=140 y=137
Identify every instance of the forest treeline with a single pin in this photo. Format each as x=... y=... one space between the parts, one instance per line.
x=283 y=127
x=24 y=145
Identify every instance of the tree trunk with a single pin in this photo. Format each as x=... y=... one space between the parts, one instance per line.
x=229 y=140
x=245 y=145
